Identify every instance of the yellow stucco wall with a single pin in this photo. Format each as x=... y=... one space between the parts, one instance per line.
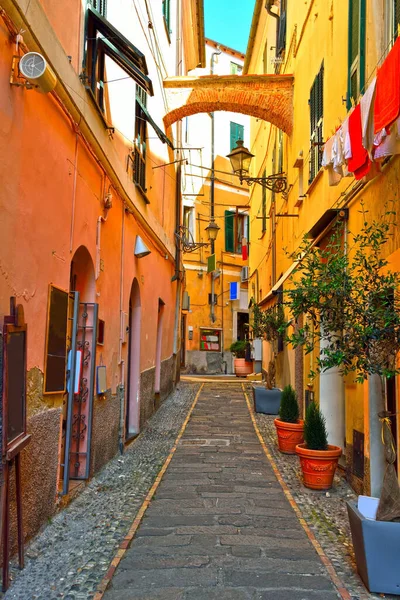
x=317 y=31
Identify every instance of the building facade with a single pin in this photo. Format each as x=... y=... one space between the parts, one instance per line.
x=332 y=50
x=212 y=320
x=89 y=207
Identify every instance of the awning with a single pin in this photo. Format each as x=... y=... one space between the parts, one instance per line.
x=164 y=138
x=274 y=290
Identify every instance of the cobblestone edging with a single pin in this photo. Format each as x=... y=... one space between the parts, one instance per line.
x=70 y=557
x=324 y=512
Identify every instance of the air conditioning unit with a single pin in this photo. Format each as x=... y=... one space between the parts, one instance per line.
x=244 y=274
x=34 y=68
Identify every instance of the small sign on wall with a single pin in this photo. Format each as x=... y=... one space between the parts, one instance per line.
x=234 y=290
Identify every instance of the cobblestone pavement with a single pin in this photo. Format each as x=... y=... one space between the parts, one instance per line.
x=70 y=557
x=324 y=512
x=219 y=525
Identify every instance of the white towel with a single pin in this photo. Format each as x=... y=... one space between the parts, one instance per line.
x=367 y=117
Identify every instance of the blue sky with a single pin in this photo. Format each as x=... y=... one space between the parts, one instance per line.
x=228 y=21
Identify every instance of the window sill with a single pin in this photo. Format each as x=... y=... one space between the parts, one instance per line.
x=142 y=192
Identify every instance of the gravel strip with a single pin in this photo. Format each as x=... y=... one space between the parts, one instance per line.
x=71 y=556
x=324 y=512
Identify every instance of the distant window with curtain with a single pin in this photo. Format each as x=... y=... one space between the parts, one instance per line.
x=236 y=133
x=356 y=50
x=316 y=103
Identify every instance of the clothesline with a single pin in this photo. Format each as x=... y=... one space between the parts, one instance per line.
x=371 y=131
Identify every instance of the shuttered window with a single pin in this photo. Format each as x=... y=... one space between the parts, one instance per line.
x=139 y=171
x=396 y=18
x=166 y=8
x=356 y=51
x=237 y=133
x=236 y=228
x=229 y=231
x=100 y=6
x=316 y=103
x=264 y=205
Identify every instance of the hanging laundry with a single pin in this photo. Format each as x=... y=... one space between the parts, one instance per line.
x=387 y=98
x=341 y=149
x=359 y=163
x=387 y=144
x=367 y=117
x=327 y=162
x=245 y=250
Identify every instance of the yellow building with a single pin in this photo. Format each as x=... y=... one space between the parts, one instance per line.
x=332 y=50
x=213 y=321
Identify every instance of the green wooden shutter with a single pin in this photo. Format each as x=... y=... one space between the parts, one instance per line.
x=166 y=13
x=229 y=231
x=356 y=50
x=248 y=234
x=236 y=133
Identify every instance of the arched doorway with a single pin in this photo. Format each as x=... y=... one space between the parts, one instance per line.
x=82 y=331
x=133 y=395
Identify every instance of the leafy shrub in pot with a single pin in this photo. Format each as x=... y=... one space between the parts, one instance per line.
x=289 y=427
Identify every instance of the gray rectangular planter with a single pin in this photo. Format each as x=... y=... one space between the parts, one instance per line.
x=377 y=549
x=266 y=401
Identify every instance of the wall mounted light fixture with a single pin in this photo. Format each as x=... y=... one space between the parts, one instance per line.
x=141 y=249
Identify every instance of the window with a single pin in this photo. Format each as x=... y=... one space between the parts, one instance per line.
x=264 y=205
x=188 y=222
x=166 y=9
x=237 y=133
x=56 y=341
x=139 y=170
x=316 y=103
x=236 y=228
x=236 y=69
x=210 y=339
x=356 y=50
x=392 y=21
x=100 y=6
x=281 y=41
x=103 y=40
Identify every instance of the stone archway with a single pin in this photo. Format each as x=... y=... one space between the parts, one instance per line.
x=267 y=97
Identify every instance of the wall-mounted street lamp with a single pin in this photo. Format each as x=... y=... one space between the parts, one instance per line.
x=241 y=157
x=185 y=239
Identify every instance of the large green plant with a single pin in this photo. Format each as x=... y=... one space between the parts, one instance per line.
x=238 y=348
x=350 y=302
x=289 y=408
x=315 y=436
x=268 y=323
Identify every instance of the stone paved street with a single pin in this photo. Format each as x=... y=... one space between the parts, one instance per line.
x=220 y=525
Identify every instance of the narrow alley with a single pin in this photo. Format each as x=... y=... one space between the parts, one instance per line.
x=196 y=508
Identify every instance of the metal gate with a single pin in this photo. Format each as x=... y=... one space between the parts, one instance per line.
x=80 y=377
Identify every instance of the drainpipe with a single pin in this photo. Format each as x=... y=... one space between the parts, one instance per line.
x=177 y=276
x=268 y=6
x=212 y=188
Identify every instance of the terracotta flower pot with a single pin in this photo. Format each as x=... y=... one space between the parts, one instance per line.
x=318 y=466
x=289 y=435
x=242 y=367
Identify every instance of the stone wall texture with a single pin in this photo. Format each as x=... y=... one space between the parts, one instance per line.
x=105 y=430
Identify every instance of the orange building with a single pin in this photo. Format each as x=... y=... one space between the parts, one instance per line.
x=90 y=201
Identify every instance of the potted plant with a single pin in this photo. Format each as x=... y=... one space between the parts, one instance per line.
x=242 y=367
x=318 y=459
x=289 y=427
x=268 y=325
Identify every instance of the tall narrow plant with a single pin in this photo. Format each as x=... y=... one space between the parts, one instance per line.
x=289 y=408
x=315 y=435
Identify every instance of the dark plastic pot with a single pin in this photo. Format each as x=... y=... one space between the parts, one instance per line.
x=266 y=401
x=377 y=549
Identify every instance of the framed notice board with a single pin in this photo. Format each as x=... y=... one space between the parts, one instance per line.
x=56 y=341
